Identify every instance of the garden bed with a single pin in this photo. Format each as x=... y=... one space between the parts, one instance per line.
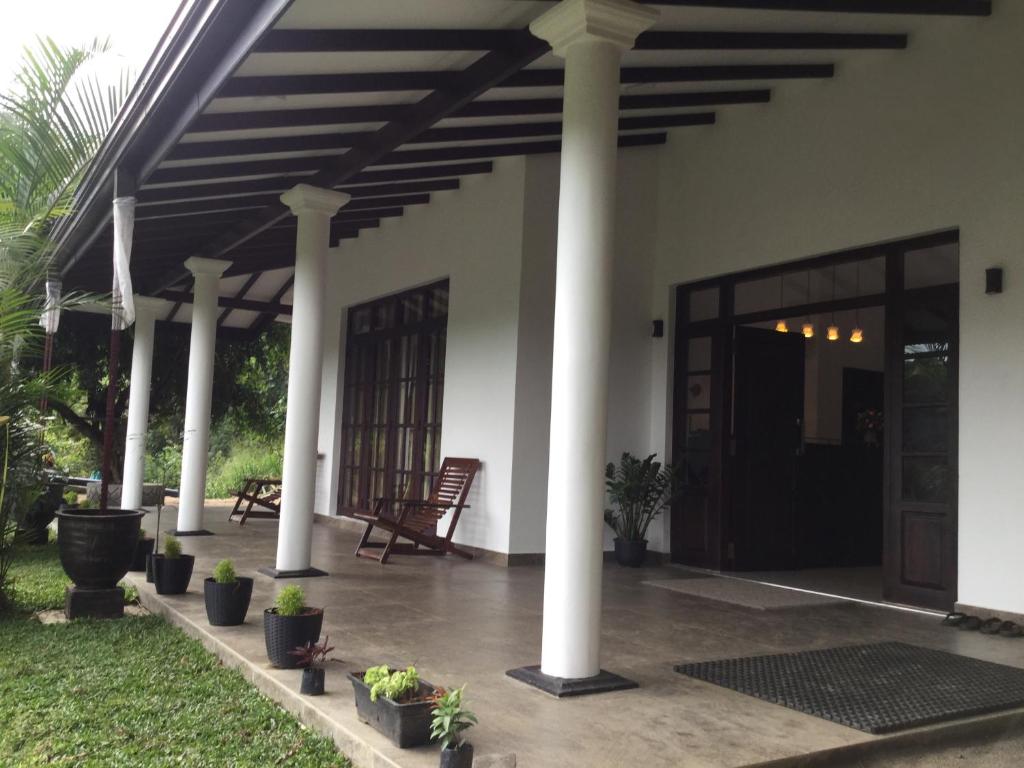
x=135 y=691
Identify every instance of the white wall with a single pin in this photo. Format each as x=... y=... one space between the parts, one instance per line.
x=473 y=237
x=898 y=144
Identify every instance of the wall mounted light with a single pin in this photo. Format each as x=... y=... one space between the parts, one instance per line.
x=994 y=280
x=658 y=329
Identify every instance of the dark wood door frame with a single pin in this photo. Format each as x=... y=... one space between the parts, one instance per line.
x=720 y=548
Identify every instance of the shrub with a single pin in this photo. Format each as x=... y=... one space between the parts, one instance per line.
x=450 y=719
x=172 y=548
x=70 y=498
x=224 y=572
x=142 y=534
x=256 y=457
x=394 y=685
x=290 y=601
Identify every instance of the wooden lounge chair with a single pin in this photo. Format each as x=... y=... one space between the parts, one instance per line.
x=417 y=520
x=262 y=491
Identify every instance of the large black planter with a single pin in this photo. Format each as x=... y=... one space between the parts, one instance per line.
x=97 y=545
x=284 y=634
x=143 y=549
x=171 y=575
x=405 y=725
x=227 y=604
x=461 y=757
x=631 y=554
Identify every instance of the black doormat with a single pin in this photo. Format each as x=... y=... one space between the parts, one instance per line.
x=878 y=688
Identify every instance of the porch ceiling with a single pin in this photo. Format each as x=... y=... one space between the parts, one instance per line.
x=393 y=102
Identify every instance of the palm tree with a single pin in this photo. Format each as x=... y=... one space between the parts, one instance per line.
x=51 y=124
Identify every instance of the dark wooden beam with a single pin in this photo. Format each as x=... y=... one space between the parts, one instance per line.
x=353 y=40
x=145 y=212
x=306 y=143
x=260 y=323
x=283 y=183
x=513 y=107
x=290 y=118
x=215 y=222
x=249 y=283
x=485 y=73
x=444 y=80
x=232 y=302
x=539 y=78
x=401 y=157
x=911 y=7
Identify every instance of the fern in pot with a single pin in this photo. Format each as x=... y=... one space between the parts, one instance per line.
x=639 y=490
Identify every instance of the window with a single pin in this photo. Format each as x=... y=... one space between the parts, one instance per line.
x=394 y=387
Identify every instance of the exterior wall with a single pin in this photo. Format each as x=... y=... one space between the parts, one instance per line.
x=473 y=237
x=902 y=144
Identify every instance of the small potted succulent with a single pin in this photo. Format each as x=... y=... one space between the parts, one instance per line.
x=396 y=703
x=311 y=658
x=172 y=570
x=143 y=549
x=289 y=625
x=450 y=719
x=639 y=490
x=227 y=596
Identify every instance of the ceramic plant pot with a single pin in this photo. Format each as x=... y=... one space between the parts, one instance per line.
x=97 y=546
x=631 y=554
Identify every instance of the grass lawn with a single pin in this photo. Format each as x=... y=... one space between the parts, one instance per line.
x=134 y=692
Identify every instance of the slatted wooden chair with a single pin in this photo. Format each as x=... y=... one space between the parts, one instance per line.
x=264 y=491
x=417 y=520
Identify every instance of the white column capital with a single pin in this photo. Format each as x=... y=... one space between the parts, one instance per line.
x=575 y=21
x=305 y=198
x=200 y=266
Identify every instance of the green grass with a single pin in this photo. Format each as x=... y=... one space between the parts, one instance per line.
x=134 y=692
x=38 y=582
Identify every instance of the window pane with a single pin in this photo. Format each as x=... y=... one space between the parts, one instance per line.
x=698 y=392
x=926 y=479
x=926 y=430
x=698 y=472
x=926 y=380
x=704 y=304
x=932 y=266
x=698 y=356
x=698 y=432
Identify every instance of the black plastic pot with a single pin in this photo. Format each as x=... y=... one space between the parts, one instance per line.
x=313 y=681
x=405 y=725
x=143 y=549
x=150 y=578
x=460 y=757
x=227 y=604
x=283 y=634
x=171 y=575
x=631 y=554
x=97 y=545
x=36 y=536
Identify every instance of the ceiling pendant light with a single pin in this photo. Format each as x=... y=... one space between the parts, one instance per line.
x=781 y=326
x=857 y=335
x=808 y=327
x=832 y=334
x=808 y=331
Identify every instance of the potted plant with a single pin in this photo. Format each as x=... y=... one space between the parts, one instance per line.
x=143 y=549
x=96 y=546
x=34 y=522
x=227 y=595
x=450 y=719
x=396 y=703
x=289 y=625
x=311 y=658
x=639 y=491
x=172 y=570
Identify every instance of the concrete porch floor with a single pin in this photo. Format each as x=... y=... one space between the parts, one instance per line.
x=468 y=622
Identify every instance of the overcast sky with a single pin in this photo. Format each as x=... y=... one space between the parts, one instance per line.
x=132 y=26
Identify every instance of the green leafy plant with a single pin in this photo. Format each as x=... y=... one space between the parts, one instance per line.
x=142 y=534
x=290 y=601
x=70 y=498
x=639 y=490
x=450 y=719
x=395 y=685
x=224 y=572
x=172 y=548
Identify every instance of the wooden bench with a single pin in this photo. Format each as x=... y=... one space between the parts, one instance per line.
x=262 y=491
x=417 y=520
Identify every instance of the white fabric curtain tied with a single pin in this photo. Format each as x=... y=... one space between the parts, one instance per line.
x=50 y=318
x=124 y=227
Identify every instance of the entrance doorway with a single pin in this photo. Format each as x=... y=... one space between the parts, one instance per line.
x=815 y=420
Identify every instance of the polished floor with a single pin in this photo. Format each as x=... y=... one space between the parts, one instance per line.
x=468 y=622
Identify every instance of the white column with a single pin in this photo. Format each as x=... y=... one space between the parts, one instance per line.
x=146 y=310
x=591 y=36
x=314 y=208
x=196 y=444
